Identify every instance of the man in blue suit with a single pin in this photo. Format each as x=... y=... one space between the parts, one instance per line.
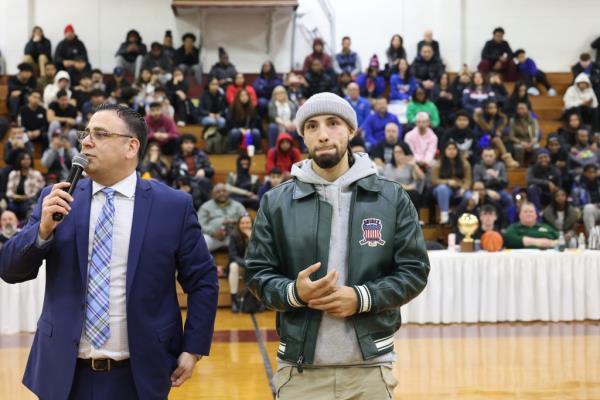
x=111 y=326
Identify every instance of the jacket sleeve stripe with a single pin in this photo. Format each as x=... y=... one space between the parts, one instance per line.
x=292 y=296
x=364 y=298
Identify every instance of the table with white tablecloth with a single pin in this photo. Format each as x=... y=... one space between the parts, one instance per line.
x=512 y=285
x=21 y=304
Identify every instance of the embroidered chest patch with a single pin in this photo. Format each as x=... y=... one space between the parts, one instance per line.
x=371 y=228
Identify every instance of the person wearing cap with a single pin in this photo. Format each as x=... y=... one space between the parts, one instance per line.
x=97 y=97
x=187 y=57
x=335 y=251
x=117 y=84
x=543 y=180
x=69 y=48
x=223 y=70
x=19 y=87
x=318 y=54
x=162 y=129
x=131 y=53
x=157 y=58
x=371 y=83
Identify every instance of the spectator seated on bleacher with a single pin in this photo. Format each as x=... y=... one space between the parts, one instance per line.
x=159 y=96
x=581 y=99
x=361 y=105
x=82 y=91
x=177 y=89
x=488 y=221
x=97 y=98
x=490 y=124
x=19 y=87
x=193 y=163
x=528 y=233
x=57 y=158
x=374 y=125
x=10 y=226
x=296 y=88
x=394 y=54
x=218 y=217
x=462 y=81
x=68 y=49
x=582 y=153
x=212 y=108
x=283 y=155
x=318 y=53
x=264 y=84
x=98 y=80
x=590 y=68
x=426 y=68
x=17 y=143
x=33 y=119
x=429 y=41
x=131 y=53
x=162 y=129
x=383 y=152
x=62 y=116
x=371 y=83
x=478 y=198
x=518 y=95
x=273 y=179
x=241 y=185
x=317 y=79
x=586 y=196
x=154 y=166
x=167 y=45
x=223 y=70
x=145 y=85
x=567 y=134
x=47 y=78
x=475 y=95
x=451 y=178
x=347 y=60
x=497 y=86
x=524 y=134
x=62 y=81
x=343 y=80
x=423 y=142
x=187 y=57
x=117 y=85
x=80 y=67
x=402 y=83
x=156 y=58
x=238 y=244
x=282 y=113
x=492 y=173
x=498 y=56
x=533 y=76
x=463 y=137
x=543 y=180
x=38 y=50
x=239 y=83
x=23 y=186
x=243 y=123
x=404 y=169
x=561 y=215
x=442 y=95
x=559 y=157
x=420 y=103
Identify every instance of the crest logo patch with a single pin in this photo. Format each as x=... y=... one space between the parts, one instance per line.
x=371 y=228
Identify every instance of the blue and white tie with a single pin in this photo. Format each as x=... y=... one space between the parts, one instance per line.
x=97 y=327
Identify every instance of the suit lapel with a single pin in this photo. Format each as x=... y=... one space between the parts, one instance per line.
x=81 y=215
x=141 y=212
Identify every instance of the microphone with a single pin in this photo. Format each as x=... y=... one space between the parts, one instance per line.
x=78 y=164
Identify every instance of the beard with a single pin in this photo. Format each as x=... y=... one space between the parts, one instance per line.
x=327 y=161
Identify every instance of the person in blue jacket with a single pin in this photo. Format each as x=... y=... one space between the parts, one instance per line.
x=531 y=74
x=402 y=83
x=361 y=106
x=374 y=125
x=264 y=85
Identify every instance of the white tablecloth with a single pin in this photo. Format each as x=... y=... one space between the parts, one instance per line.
x=21 y=304
x=517 y=285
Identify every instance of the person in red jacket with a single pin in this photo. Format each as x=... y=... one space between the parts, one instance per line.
x=318 y=54
x=162 y=129
x=239 y=83
x=284 y=154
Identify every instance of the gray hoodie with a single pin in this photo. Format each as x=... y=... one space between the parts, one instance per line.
x=336 y=340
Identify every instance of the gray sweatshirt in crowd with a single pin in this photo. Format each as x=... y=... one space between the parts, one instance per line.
x=336 y=340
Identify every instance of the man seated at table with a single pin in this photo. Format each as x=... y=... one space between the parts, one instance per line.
x=528 y=233
x=488 y=221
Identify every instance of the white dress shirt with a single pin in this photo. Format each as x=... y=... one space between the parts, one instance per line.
x=117 y=345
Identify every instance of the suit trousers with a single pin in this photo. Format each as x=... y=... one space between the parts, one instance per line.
x=116 y=384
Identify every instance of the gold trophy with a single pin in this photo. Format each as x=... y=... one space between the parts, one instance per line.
x=467 y=225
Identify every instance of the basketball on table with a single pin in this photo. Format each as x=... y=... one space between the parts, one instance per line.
x=492 y=241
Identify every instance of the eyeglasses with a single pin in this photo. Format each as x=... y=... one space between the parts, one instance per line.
x=98 y=136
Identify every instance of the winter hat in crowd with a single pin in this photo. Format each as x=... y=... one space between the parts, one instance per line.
x=541 y=152
x=69 y=29
x=325 y=103
x=222 y=52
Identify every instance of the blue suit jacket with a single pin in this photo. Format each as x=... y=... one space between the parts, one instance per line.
x=166 y=240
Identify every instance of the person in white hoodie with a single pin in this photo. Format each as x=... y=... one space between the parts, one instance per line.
x=581 y=99
x=62 y=81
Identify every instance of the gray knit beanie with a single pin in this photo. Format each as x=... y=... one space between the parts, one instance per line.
x=325 y=103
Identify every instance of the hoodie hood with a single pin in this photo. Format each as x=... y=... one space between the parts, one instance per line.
x=283 y=136
x=362 y=167
x=583 y=77
x=62 y=75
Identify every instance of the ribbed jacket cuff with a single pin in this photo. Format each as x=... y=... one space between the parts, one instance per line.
x=292 y=296
x=364 y=298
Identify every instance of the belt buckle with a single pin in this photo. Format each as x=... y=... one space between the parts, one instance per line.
x=100 y=369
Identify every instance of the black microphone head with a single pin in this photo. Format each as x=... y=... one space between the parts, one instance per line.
x=80 y=160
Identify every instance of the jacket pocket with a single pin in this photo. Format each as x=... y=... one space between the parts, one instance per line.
x=282 y=378
x=390 y=381
x=45 y=327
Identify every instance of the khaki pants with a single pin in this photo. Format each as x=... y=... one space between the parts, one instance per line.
x=341 y=383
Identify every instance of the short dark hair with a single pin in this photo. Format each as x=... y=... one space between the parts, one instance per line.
x=587 y=167
x=275 y=171
x=519 y=52
x=346 y=38
x=61 y=93
x=488 y=209
x=188 y=35
x=96 y=93
x=95 y=71
x=155 y=104
x=133 y=121
x=488 y=148
x=187 y=137
x=36 y=91
x=499 y=30
x=85 y=75
x=585 y=57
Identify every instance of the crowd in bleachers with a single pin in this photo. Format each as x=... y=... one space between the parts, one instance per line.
x=449 y=139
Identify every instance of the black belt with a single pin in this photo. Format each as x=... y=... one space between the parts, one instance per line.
x=102 y=364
